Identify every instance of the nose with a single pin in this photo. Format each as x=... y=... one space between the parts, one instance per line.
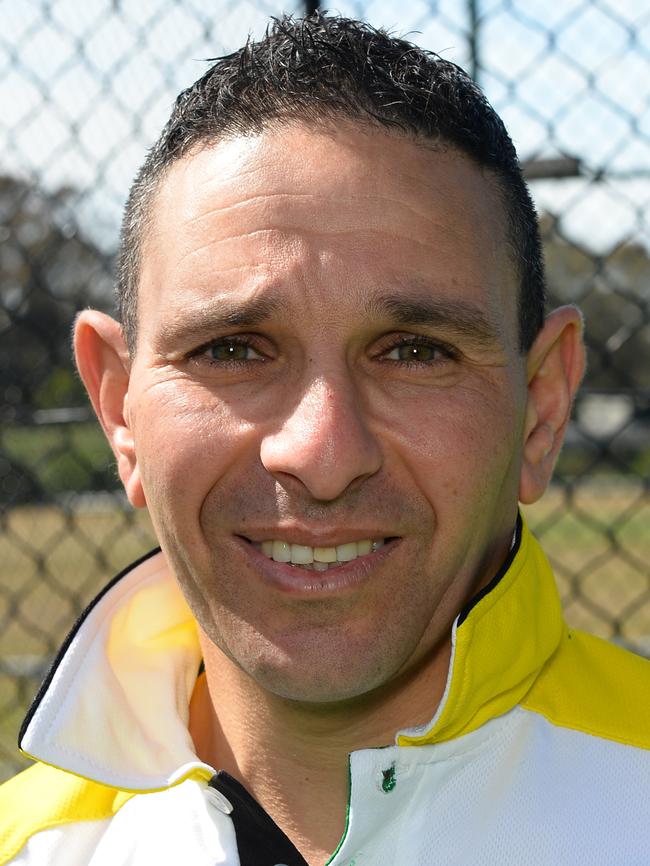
x=323 y=441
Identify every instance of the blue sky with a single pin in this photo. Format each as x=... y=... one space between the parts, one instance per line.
x=85 y=86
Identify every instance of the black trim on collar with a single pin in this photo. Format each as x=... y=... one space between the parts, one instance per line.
x=71 y=634
x=462 y=616
x=260 y=842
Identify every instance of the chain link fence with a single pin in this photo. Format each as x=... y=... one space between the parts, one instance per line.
x=84 y=89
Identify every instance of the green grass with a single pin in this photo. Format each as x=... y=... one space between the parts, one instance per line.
x=76 y=457
x=54 y=560
x=62 y=458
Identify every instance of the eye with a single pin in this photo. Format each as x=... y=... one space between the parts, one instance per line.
x=410 y=353
x=229 y=350
x=414 y=351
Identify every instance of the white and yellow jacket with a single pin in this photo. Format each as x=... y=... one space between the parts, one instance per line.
x=539 y=752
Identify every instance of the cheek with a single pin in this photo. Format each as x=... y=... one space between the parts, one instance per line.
x=458 y=444
x=185 y=441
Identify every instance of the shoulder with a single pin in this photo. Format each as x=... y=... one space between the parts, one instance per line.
x=42 y=798
x=595 y=687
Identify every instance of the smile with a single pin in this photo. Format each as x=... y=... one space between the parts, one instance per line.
x=318 y=558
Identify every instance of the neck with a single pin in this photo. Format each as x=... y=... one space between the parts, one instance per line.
x=277 y=747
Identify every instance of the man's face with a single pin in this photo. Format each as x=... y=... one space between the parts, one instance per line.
x=327 y=354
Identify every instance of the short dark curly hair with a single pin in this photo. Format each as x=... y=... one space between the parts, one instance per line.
x=322 y=67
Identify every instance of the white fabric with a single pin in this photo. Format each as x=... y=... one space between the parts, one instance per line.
x=518 y=791
x=117 y=708
x=178 y=826
x=67 y=845
x=499 y=796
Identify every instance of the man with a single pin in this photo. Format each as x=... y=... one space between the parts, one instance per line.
x=332 y=383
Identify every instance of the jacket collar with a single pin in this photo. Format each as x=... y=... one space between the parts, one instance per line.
x=114 y=707
x=500 y=642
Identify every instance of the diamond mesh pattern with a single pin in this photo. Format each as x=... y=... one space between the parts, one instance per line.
x=84 y=89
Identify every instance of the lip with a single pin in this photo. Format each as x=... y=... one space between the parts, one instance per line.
x=303 y=583
x=329 y=538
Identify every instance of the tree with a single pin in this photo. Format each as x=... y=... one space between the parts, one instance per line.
x=612 y=288
x=48 y=271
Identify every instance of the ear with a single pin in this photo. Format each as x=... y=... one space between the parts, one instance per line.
x=555 y=366
x=104 y=366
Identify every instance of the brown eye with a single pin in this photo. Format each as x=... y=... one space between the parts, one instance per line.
x=423 y=354
x=232 y=350
x=417 y=352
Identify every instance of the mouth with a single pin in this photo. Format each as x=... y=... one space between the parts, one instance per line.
x=318 y=558
x=304 y=570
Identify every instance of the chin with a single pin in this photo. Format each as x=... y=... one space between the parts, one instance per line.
x=323 y=676
x=315 y=663
x=319 y=691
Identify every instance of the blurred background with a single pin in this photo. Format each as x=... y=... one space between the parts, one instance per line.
x=85 y=87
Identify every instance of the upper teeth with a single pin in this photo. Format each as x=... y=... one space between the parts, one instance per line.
x=319 y=558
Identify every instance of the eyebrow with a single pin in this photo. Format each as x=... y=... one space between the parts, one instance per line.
x=456 y=316
x=218 y=315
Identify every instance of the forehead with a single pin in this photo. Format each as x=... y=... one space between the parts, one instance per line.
x=347 y=209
